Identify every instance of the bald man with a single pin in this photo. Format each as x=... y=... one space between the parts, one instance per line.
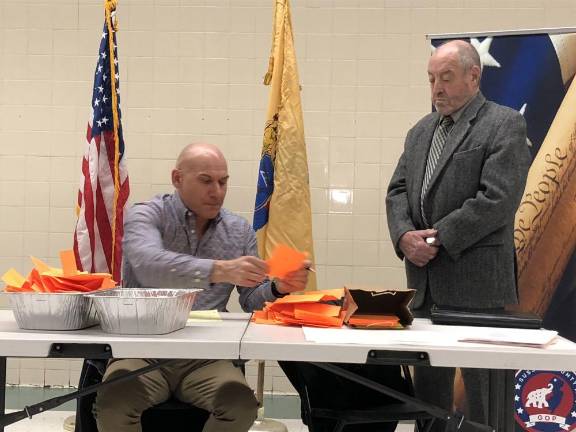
x=451 y=204
x=187 y=240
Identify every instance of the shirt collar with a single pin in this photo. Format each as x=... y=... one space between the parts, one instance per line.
x=458 y=113
x=185 y=215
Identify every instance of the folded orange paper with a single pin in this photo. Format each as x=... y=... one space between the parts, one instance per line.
x=43 y=278
x=327 y=308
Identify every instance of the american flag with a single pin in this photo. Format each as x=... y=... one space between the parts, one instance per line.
x=104 y=186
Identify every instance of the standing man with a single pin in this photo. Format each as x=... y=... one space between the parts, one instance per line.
x=185 y=240
x=451 y=204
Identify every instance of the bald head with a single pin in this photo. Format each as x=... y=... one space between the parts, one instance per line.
x=463 y=50
x=201 y=178
x=454 y=75
x=195 y=153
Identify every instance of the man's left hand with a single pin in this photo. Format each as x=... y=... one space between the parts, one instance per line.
x=294 y=281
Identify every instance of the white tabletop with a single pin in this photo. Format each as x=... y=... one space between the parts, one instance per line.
x=198 y=340
x=270 y=342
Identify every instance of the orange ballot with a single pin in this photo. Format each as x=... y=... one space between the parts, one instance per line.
x=327 y=308
x=68 y=261
x=284 y=260
x=43 y=278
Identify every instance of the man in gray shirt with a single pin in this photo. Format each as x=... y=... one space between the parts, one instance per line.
x=187 y=240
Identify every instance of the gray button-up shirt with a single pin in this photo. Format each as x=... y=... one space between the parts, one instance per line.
x=161 y=250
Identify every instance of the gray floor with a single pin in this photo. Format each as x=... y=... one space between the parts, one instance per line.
x=53 y=422
x=284 y=409
x=281 y=407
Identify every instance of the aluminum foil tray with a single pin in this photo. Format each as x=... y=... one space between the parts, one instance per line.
x=143 y=310
x=52 y=311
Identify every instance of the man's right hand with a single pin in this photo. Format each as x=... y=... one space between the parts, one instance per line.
x=416 y=250
x=248 y=271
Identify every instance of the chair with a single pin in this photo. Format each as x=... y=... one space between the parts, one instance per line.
x=171 y=415
x=390 y=412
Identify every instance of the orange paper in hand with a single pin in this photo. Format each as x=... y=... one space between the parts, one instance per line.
x=284 y=260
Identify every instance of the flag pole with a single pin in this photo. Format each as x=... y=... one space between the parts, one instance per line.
x=110 y=7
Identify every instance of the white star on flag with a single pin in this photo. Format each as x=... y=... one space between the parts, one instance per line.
x=96 y=102
x=522 y=111
x=103 y=54
x=517 y=386
x=483 y=49
x=520 y=410
x=104 y=34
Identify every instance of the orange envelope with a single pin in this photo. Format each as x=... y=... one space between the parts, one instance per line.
x=375 y=322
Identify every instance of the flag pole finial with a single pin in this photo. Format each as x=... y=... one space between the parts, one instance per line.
x=110 y=6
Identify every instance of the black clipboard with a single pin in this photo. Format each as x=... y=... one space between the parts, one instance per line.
x=508 y=319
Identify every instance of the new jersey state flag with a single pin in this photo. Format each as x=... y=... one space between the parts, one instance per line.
x=282 y=213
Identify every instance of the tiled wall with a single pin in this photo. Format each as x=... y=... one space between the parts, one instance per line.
x=192 y=70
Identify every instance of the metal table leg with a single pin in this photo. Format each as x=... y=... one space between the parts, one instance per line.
x=3 y=389
x=454 y=421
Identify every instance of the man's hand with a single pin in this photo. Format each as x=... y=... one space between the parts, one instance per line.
x=415 y=248
x=294 y=281
x=247 y=271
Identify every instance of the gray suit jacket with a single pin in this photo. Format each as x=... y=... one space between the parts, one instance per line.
x=471 y=200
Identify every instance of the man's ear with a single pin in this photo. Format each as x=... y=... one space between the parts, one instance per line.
x=176 y=178
x=476 y=71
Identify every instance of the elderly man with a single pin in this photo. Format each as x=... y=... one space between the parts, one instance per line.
x=186 y=240
x=451 y=204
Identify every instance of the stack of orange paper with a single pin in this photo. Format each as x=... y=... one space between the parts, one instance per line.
x=46 y=279
x=327 y=308
x=385 y=321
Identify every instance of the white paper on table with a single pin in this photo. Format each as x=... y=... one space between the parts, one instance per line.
x=510 y=336
x=377 y=337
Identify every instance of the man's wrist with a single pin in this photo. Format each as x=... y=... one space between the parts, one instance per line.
x=218 y=272
x=274 y=288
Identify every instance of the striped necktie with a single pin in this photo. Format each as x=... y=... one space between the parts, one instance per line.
x=438 y=141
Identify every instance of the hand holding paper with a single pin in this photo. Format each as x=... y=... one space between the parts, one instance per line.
x=290 y=268
x=246 y=271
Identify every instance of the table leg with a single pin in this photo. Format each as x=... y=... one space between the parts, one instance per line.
x=501 y=400
x=454 y=420
x=3 y=388
x=509 y=423
x=494 y=400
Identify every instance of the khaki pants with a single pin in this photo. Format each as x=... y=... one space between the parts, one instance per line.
x=214 y=385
